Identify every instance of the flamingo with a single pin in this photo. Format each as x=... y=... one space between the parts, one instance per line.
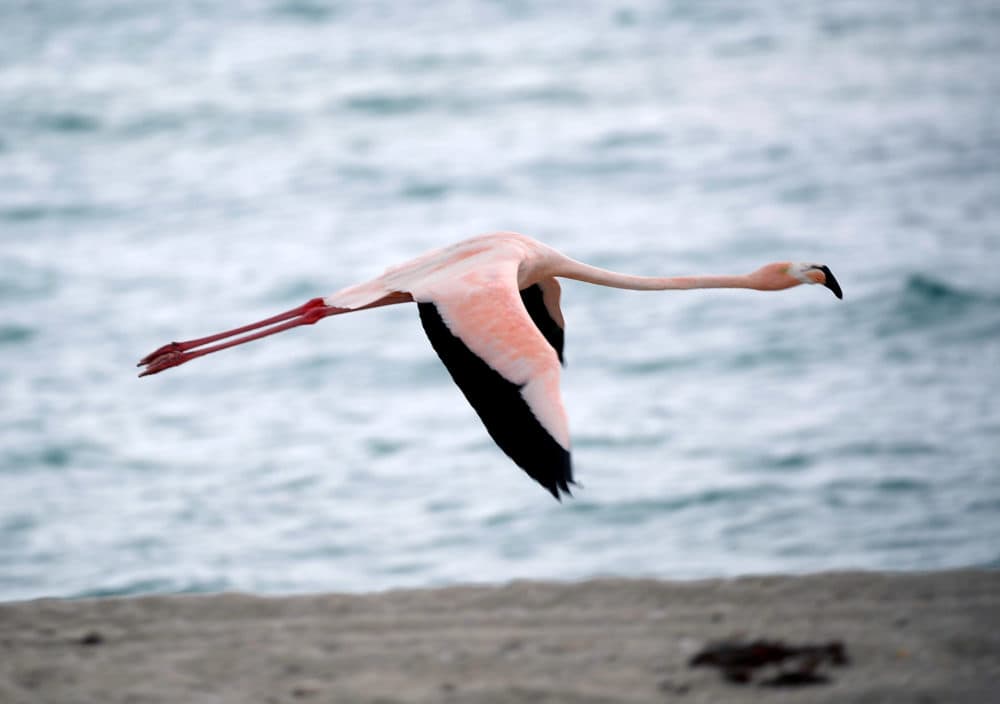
x=490 y=307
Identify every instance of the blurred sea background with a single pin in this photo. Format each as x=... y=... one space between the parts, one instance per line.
x=168 y=170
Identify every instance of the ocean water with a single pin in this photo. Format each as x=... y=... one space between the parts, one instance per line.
x=171 y=169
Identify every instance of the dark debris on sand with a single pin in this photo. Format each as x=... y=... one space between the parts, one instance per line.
x=796 y=665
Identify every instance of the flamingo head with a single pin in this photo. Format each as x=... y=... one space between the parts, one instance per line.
x=782 y=275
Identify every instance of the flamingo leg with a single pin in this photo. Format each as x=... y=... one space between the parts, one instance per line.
x=176 y=353
x=182 y=346
x=312 y=311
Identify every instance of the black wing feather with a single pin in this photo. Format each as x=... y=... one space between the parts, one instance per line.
x=503 y=410
x=533 y=301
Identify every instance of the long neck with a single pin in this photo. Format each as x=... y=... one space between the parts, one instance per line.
x=572 y=269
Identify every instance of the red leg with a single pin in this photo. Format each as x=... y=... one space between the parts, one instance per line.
x=312 y=311
x=176 y=353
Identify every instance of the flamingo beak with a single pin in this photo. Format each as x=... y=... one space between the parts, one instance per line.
x=831 y=282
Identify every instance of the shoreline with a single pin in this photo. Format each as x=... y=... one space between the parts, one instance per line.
x=927 y=636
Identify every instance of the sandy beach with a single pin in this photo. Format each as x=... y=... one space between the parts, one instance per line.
x=910 y=638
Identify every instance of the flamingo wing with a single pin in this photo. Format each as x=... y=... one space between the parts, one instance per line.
x=542 y=303
x=509 y=372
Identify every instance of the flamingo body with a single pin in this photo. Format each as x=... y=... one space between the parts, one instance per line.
x=477 y=319
x=490 y=308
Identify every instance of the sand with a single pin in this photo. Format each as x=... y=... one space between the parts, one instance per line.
x=911 y=638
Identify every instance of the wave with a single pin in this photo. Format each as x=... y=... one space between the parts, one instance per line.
x=155 y=585
x=927 y=302
x=70 y=122
x=388 y=104
x=638 y=510
x=28 y=213
x=926 y=289
x=15 y=334
x=307 y=11
x=394 y=103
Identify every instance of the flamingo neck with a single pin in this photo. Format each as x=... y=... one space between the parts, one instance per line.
x=579 y=271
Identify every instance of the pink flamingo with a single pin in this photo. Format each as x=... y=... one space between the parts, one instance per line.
x=490 y=306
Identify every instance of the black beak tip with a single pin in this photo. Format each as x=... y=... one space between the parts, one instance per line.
x=832 y=283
